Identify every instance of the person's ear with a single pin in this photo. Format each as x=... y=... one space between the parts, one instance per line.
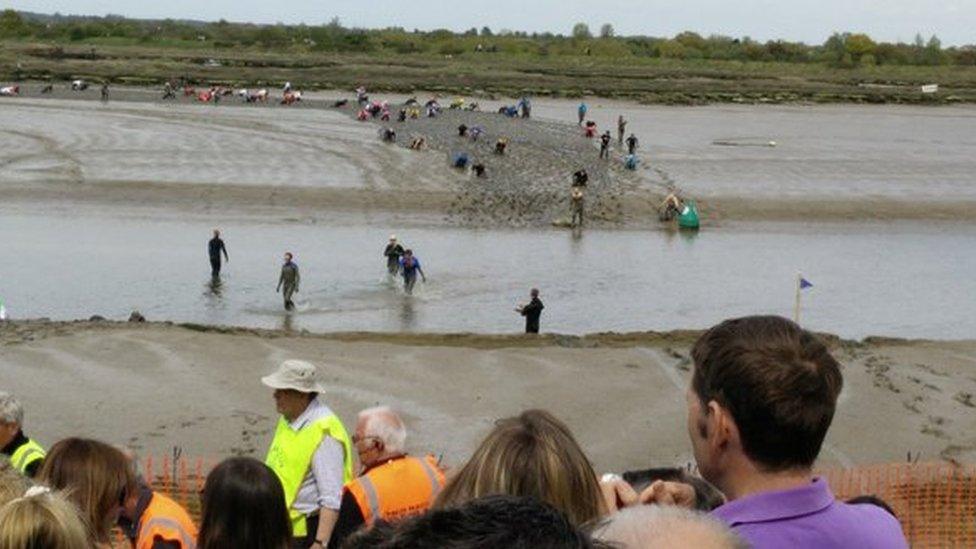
x=721 y=428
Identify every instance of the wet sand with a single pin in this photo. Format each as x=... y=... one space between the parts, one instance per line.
x=155 y=386
x=836 y=163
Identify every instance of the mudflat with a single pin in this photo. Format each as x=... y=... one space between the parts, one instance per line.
x=156 y=386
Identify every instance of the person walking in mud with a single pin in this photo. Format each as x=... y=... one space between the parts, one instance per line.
x=576 y=206
x=605 y=145
x=409 y=267
x=532 y=311
x=632 y=144
x=581 y=112
x=214 y=248
x=393 y=253
x=289 y=281
x=621 y=130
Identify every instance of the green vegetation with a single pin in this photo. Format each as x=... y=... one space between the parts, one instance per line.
x=686 y=69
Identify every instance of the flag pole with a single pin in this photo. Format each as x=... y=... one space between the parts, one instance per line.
x=796 y=305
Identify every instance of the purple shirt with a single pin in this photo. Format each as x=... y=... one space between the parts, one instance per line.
x=810 y=517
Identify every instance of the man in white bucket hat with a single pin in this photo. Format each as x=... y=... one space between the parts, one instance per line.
x=311 y=453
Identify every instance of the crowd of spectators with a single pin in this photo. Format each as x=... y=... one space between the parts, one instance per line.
x=761 y=398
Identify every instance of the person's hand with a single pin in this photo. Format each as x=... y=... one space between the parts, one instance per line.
x=662 y=492
x=617 y=493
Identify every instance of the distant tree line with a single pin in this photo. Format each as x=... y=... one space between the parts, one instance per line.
x=844 y=50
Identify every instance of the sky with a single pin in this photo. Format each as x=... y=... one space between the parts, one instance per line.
x=954 y=21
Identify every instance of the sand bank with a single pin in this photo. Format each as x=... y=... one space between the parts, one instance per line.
x=155 y=386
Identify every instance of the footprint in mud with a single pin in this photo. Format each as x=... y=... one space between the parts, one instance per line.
x=964 y=398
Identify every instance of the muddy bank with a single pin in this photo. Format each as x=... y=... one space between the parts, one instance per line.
x=156 y=386
x=830 y=163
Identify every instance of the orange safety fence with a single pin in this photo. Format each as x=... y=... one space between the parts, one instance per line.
x=935 y=501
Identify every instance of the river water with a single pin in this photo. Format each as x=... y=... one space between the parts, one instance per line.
x=909 y=280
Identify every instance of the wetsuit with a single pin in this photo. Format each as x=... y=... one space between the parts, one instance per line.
x=289 y=279
x=532 y=312
x=393 y=253
x=409 y=273
x=631 y=145
x=215 y=247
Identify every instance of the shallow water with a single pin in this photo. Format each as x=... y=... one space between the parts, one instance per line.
x=907 y=280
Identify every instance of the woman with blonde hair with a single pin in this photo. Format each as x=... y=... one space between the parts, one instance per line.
x=95 y=476
x=532 y=454
x=42 y=520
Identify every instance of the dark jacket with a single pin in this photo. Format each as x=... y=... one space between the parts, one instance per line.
x=532 y=312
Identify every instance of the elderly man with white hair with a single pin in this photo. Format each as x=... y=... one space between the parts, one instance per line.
x=392 y=484
x=25 y=455
x=311 y=453
x=665 y=527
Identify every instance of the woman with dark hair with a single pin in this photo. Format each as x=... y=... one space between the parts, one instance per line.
x=96 y=477
x=243 y=508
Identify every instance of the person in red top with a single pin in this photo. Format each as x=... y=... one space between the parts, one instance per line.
x=393 y=485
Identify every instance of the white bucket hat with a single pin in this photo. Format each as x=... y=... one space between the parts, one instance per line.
x=295 y=374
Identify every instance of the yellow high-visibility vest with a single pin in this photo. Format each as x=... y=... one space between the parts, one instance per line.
x=27 y=454
x=290 y=456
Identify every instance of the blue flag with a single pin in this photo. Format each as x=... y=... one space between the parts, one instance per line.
x=804 y=283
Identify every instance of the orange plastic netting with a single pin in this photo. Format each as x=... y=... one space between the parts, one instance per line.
x=935 y=501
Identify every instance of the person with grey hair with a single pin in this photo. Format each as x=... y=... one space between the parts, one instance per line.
x=25 y=455
x=660 y=527
x=392 y=485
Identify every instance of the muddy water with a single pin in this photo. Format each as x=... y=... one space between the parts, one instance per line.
x=896 y=280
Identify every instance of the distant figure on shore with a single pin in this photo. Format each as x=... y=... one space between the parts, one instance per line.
x=581 y=112
x=168 y=91
x=393 y=253
x=580 y=178
x=605 y=145
x=478 y=169
x=576 y=207
x=418 y=143
x=501 y=145
x=215 y=247
x=409 y=267
x=463 y=130
x=632 y=144
x=621 y=129
x=105 y=91
x=525 y=105
x=532 y=311
x=289 y=280
x=671 y=207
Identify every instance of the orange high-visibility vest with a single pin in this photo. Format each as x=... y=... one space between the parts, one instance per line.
x=399 y=488
x=164 y=519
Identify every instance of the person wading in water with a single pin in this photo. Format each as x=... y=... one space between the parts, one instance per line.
x=289 y=280
x=410 y=266
x=393 y=252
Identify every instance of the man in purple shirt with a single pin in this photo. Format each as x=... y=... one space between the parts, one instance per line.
x=761 y=399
